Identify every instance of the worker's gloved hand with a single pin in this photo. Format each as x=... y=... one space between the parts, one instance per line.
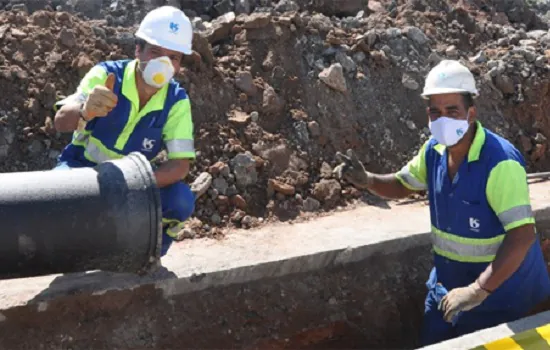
x=462 y=299
x=101 y=100
x=352 y=170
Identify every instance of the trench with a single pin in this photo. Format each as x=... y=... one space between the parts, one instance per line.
x=371 y=303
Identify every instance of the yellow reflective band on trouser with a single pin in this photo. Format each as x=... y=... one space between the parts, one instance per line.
x=174 y=227
x=533 y=339
x=475 y=250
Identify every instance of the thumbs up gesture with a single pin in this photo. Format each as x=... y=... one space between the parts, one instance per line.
x=101 y=100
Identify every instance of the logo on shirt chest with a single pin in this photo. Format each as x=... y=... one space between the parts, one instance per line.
x=147 y=145
x=474 y=224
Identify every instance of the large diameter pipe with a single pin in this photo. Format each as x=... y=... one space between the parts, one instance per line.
x=103 y=218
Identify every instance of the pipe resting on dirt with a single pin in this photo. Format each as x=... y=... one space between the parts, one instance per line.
x=544 y=175
x=103 y=218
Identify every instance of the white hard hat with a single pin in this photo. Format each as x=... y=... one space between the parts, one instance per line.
x=448 y=77
x=167 y=27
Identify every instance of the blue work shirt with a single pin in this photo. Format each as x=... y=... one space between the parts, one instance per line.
x=471 y=214
x=164 y=120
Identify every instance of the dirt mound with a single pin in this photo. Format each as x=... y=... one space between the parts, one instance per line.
x=274 y=96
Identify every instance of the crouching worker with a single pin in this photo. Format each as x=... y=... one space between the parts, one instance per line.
x=135 y=106
x=488 y=263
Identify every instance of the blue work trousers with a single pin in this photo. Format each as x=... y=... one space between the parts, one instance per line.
x=435 y=329
x=178 y=203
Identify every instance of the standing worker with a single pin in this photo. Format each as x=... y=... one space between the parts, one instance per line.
x=486 y=251
x=135 y=106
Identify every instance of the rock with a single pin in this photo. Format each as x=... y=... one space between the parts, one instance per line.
x=479 y=58
x=540 y=138
x=451 y=52
x=36 y=147
x=311 y=204
x=409 y=82
x=536 y=34
x=216 y=219
x=359 y=57
x=223 y=6
x=221 y=27
x=286 y=6
x=326 y=170
x=242 y=6
x=503 y=42
x=504 y=84
x=20 y=7
x=238 y=201
x=339 y=7
x=257 y=20
x=314 y=128
x=278 y=156
x=220 y=185
x=347 y=62
x=327 y=191
x=272 y=103
x=67 y=37
x=245 y=82
x=203 y=47
x=416 y=35
x=281 y=187
x=201 y=184
x=216 y=169
x=237 y=216
x=239 y=118
x=320 y=22
x=334 y=77
x=198 y=6
x=244 y=168
x=254 y=116
x=247 y=221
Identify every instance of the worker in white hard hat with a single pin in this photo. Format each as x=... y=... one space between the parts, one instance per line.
x=136 y=106
x=489 y=268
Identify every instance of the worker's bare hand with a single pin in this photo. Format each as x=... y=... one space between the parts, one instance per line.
x=101 y=100
x=462 y=299
x=352 y=170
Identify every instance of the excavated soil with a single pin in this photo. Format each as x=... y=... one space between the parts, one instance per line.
x=276 y=92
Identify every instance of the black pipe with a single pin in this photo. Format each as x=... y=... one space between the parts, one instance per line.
x=59 y=221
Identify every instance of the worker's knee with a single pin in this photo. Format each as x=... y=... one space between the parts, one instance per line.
x=178 y=201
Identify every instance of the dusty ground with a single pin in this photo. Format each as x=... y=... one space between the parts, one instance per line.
x=278 y=88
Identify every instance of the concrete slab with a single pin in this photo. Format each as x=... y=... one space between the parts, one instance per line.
x=480 y=338
x=270 y=251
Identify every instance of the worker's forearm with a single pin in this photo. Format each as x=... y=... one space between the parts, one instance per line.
x=67 y=118
x=509 y=257
x=388 y=186
x=172 y=171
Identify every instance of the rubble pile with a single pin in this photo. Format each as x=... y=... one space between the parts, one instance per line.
x=277 y=88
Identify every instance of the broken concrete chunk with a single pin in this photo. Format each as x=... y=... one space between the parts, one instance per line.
x=333 y=76
x=201 y=184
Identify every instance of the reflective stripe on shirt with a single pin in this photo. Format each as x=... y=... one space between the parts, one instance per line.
x=463 y=249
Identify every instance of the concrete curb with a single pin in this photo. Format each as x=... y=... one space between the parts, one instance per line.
x=274 y=251
x=488 y=335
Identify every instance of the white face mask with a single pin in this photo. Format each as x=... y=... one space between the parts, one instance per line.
x=448 y=131
x=158 y=71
